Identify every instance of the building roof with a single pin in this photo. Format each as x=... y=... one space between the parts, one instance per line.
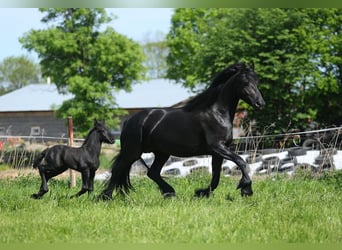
x=45 y=97
x=152 y=94
x=33 y=97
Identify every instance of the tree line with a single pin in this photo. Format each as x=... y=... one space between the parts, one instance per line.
x=296 y=54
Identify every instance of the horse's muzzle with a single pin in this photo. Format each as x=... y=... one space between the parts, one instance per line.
x=259 y=104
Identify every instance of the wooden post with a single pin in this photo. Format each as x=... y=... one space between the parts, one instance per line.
x=71 y=140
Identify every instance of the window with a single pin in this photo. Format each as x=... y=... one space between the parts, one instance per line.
x=2 y=131
x=35 y=131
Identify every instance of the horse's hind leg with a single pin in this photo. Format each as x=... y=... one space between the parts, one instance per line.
x=154 y=174
x=119 y=180
x=43 y=187
x=46 y=173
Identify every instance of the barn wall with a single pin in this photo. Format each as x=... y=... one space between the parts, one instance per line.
x=25 y=123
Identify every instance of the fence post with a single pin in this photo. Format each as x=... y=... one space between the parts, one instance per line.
x=71 y=140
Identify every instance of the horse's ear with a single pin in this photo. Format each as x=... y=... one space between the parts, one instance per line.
x=243 y=67
x=95 y=122
x=252 y=65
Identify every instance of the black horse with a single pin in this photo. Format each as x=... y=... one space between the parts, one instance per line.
x=203 y=126
x=84 y=159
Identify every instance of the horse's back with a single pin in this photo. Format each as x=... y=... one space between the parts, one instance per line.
x=60 y=155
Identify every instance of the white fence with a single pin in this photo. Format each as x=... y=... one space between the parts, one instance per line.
x=20 y=151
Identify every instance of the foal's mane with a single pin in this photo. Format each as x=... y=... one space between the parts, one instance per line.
x=97 y=125
x=209 y=96
x=88 y=135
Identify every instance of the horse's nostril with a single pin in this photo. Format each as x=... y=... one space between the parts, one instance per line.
x=260 y=104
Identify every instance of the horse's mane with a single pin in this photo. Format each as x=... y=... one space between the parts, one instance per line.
x=88 y=135
x=96 y=126
x=209 y=96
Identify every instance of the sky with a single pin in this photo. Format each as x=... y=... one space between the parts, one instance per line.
x=135 y=23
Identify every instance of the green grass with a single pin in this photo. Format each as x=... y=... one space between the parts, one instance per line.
x=4 y=167
x=302 y=209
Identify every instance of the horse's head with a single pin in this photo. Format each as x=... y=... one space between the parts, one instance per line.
x=105 y=135
x=246 y=82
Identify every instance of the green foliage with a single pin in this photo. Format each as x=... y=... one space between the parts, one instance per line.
x=296 y=52
x=282 y=210
x=156 y=50
x=90 y=63
x=18 y=72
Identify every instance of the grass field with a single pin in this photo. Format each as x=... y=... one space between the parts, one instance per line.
x=298 y=209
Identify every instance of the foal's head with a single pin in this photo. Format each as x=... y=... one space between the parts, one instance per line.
x=105 y=135
x=246 y=85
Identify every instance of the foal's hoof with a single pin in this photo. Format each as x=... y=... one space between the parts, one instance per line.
x=35 y=196
x=169 y=195
x=200 y=193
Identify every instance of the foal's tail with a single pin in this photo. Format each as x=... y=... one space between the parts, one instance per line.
x=39 y=159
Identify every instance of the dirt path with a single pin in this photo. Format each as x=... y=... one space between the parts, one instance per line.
x=14 y=173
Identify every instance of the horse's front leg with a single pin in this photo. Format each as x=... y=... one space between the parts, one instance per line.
x=85 y=174
x=245 y=184
x=216 y=165
x=91 y=180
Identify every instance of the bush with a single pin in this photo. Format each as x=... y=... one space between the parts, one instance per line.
x=333 y=178
x=18 y=157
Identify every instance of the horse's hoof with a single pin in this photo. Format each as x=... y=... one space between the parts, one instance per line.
x=106 y=198
x=246 y=193
x=103 y=197
x=35 y=196
x=169 y=195
x=200 y=193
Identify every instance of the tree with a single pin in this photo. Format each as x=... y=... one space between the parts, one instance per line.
x=86 y=62
x=296 y=55
x=156 y=50
x=16 y=72
x=326 y=31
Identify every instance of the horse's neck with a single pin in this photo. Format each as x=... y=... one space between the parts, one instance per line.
x=228 y=100
x=92 y=144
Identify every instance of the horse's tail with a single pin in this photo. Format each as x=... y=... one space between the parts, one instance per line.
x=119 y=181
x=39 y=159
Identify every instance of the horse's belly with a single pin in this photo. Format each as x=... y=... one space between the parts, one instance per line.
x=179 y=145
x=173 y=133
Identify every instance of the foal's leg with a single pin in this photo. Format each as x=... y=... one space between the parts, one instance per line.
x=216 y=164
x=43 y=187
x=85 y=182
x=46 y=173
x=154 y=174
x=91 y=180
